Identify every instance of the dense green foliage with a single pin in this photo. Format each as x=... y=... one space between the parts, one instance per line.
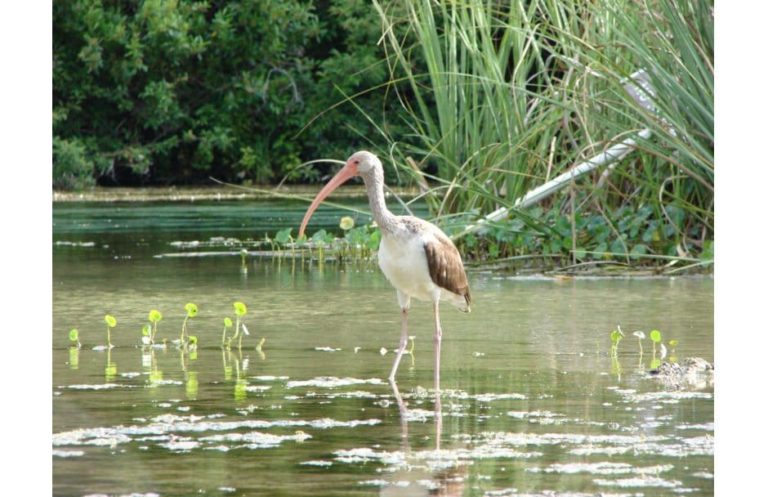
x=485 y=100
x=161 y=92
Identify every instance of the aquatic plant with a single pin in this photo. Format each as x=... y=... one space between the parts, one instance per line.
x=146 y=335
x=616 y=336
x=227 y=325
x=74 y=337
x=110 y=370
x=191 y=347
x=191 y=312
x=284 y=238
x=672 y=345
x=240 y=311
x=346 y=223
x=74 y=350
x=111 y=323
x=154 y=318
x=655 y=336
x=320 y=239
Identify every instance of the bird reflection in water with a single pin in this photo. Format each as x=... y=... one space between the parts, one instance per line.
x=417 y=478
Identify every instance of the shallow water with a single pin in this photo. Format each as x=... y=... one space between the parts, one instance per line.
x=531 y=401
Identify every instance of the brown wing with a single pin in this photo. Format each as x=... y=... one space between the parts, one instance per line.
x=445 y=266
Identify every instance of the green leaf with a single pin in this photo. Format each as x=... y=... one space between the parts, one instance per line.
x=374 y=240
x=155 y=316
x=616 y=337
x=110 y=320
x=470 y=240
x=673 y=343
x=319 y=236
x=638 y=250
x=191 y=309
x=617 y=248
x=655 y=336
x=283 y=236
x=240 y=308
x=227 y=323
x=146 y=330
x=73 y=335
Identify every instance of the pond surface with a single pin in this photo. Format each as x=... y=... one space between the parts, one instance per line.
x=532 y=402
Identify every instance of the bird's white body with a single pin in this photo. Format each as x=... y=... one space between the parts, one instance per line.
x=403 y=261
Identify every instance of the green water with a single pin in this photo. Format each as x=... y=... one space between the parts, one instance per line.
x=531 y=401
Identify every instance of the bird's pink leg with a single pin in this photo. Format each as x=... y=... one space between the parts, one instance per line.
x=438 y=340
x=403 y=342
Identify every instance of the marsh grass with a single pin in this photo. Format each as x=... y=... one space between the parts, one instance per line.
x=502 y=97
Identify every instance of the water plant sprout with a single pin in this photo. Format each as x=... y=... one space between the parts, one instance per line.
x=74 y=337
x=616 y=336
x=655 y=336
x=146 y=334
x=227 y=324
x=191 y=312
x=111 y=323
x=154 y=318
x=240 y=311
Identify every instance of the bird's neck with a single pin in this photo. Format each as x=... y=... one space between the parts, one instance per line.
x=384 y=218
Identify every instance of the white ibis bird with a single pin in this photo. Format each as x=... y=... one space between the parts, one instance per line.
x=417 y=258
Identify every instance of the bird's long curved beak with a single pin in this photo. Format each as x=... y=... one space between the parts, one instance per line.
x=346 y=172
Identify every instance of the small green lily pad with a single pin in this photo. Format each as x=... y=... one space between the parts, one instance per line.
x=155 y=316
x=191 y=309
x=240 y=308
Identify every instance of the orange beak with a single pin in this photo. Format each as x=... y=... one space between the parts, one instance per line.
x=346 y=172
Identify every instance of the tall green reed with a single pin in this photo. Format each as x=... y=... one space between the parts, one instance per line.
x=471 y=109
x=503 y=96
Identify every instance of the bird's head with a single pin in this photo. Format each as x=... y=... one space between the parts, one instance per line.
x=362 y=163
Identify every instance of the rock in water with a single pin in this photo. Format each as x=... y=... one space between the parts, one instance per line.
x=693 y=372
